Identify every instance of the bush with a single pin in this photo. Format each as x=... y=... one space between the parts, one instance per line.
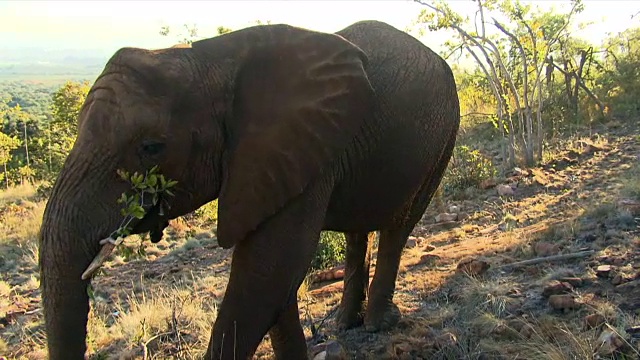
x=467 y=168
x=331 y=250
x=207 y=214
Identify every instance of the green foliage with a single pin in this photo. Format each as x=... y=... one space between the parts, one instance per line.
x=62 y=129
x=7 y=145
x=467 y=168
x=44 y=120
x=148 y=190
x=208 y=213
x=331 y=250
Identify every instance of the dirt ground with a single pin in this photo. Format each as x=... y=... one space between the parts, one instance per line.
x=462 y=289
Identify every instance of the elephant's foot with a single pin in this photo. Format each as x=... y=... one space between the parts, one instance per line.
x=381 y=318
x=349 y=316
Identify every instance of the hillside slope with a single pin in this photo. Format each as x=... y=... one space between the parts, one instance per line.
x=585 y=201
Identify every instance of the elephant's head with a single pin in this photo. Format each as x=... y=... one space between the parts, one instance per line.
x=250 y=117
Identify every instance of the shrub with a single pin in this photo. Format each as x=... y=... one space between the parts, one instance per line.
x=331 y=250
x=467 y=168
x=207 y=214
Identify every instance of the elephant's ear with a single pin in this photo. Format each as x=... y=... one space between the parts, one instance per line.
x=298 y=102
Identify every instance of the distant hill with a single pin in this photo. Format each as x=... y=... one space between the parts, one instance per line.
x=35 y=63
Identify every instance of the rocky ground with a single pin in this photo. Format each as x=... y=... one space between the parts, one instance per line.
x=543 y=263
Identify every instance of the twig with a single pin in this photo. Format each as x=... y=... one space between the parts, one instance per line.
x=145 y=344
x=548 y=259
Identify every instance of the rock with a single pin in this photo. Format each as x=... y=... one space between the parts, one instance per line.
x=603 y=270
x=562 y=302
x=574 y=281
x=411 y=242
x=429 y=248
x=557 y=288
x=527 y=331
x=428 y=259
x=445 y=340
x=444 y=217
x=618 y=279
x=618 y=261
x=454 y=209
x=504 y=190
x=519 y=172
x=473 y=267
x=610 y=342
x=594 y=320
x=330 y=350
x=632 y=206
x=488 y=183
x=542 y=248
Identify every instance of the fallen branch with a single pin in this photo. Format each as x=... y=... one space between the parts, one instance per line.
x=539 y=260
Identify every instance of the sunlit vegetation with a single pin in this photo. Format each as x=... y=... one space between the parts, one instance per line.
x=546 y=163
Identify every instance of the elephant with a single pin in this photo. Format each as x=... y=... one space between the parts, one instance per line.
x=294 y=131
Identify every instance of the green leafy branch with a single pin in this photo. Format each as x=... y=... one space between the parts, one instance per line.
x=148 y=191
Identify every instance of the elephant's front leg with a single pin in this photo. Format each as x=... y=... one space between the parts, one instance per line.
x=266 y=272
x=287 y=336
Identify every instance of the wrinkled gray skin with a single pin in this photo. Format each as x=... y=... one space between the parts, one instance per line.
x=294 y=132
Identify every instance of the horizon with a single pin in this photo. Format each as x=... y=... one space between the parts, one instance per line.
x=105 y=26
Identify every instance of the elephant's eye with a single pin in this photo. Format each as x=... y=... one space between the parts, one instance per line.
x=150 y=147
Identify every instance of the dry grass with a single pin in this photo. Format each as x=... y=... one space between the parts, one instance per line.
x=164 y=303
x=17 y=193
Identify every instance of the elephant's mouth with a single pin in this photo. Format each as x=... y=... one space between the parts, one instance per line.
x=154 y=222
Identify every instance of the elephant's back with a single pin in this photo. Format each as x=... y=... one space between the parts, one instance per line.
x=417 y=111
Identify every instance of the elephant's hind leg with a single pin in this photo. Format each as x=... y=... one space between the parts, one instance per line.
x=381 y=312
x=356 y=280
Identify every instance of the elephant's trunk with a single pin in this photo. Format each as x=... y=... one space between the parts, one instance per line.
x=64 y=293
x=73 y=221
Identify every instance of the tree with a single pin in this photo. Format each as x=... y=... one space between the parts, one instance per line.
x=514 y=59
x=63 y=126
x=7 y=145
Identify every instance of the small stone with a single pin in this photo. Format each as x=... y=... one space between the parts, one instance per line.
x=428 y=259
x=429 y=248
x=504 y=190
x=444 y=217
x=557 y=288
x=594 y=320
x=527 y=331
x=454 y=209
x=488 y=183
x=603 y=270
x=331 y=350
x=609 y=342
x=545 y=249
x=411 y=242
x=618 y=279
x=562 y=302
x=445 y=340
x=473 y=267
x=618 y=261
x=574 y=281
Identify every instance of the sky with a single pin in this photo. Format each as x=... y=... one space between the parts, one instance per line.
x=106 y=26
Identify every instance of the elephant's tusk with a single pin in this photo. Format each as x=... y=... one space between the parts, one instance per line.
x=108 y=245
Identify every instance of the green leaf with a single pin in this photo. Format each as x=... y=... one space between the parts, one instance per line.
x=137 y=212
x=152 y=180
